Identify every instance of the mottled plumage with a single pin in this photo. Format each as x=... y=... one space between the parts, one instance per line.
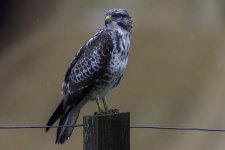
x=98 y=67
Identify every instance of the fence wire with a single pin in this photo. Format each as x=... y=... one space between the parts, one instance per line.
x=132 y=127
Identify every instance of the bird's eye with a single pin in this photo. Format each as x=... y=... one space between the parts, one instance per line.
x=116 y=16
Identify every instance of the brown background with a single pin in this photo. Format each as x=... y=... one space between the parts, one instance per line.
x=175 y=76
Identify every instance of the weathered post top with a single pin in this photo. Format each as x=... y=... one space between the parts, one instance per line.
x=107 y=132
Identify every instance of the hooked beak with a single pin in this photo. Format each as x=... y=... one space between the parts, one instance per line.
x=108 y=19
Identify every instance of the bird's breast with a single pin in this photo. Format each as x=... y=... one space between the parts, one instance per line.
x=115 y=67
x=119 y=56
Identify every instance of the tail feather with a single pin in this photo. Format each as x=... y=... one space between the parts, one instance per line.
x=56 y=115
x=68 y=119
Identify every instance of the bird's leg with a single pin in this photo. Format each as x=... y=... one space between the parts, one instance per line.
x=100 y=110
x=105 y=110
x=109 y=111
x=99 y=107
x=104 y=103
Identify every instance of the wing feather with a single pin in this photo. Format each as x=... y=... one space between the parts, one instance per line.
x=86 y=68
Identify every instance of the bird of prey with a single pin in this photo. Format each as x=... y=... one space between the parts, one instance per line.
x=95 y=70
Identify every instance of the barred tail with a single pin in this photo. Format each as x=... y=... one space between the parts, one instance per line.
x=68 y=119
x=55 y=116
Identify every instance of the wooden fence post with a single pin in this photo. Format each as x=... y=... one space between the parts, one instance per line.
x=107 y=132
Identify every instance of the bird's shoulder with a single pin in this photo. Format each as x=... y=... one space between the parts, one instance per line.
x=101 y=41
x=90 y=59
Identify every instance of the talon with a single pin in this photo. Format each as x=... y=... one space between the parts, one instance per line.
x=108 y=112
x=113 y=111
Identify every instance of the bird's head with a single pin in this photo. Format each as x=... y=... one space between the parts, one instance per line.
x=118 y=17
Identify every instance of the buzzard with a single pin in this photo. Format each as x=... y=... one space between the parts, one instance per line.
x=97 y=68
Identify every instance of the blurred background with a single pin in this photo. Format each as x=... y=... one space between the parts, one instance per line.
x=175 y=75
